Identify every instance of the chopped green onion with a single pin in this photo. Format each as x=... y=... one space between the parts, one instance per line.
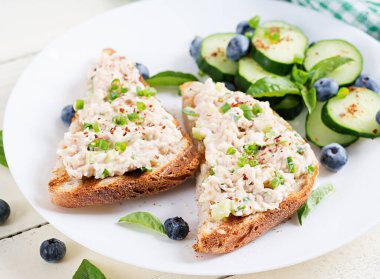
x=133 y=116
x=231 y=150
x=115 y=84
x=275 y=37
x=87 y=125
x=242 y=161
x=123 y=90
x=92 y=145
x=79 y=104
x=105 y=173
x=252 y=149
x=310 y=169
x=146 y=92
x=95 y=126
x=343 y=92
x=256 y=109
x=120 y=146
x=190 y=112
x=197 y=134
x=112 y=96
x=277 y=181
x=241 y=207
x=140 y=106
x=225 y=107
x=291 y=166
x=120 y=120
x=144 y=169
x=211 y=171
x=104 y=145
x=90 y=126
x=247 y=111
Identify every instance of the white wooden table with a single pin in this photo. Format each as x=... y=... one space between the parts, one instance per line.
x=25 y=28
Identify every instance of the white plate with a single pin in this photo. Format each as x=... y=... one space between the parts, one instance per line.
x=157 y=33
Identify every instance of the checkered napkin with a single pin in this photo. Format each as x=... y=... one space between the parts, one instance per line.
x=363 y=14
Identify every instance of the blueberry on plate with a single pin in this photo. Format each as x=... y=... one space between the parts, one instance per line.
x=237 y=47
x=67 y=114
x=243 y=27
x=143 y=70
x=52 y=250
x=368 y=82
x=326 y=88
x=5 y=211
x=378 y=117
x=230 y=85
x=176 y=228
x=195 y=47
x=333 y=157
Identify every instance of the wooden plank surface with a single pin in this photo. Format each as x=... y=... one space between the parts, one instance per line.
x=25 y=28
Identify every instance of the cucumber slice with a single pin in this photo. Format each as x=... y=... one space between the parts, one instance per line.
x=290 y=107
x=278 y=45
x=345 y=74
x=212 y=59
x=319 y=134
x=249 y=71
x=353 y=114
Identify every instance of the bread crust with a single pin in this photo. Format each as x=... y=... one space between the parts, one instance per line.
x=234 y=232
x=69 y=192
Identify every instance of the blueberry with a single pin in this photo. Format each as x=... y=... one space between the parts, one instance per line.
x=52 y=250
x=326 y=88
x=378 y=117
x=243 y=27
x=237 y=47
x=176 y=228
x=67 y=114
x=5 y=211
x=230 y=85
x=195 y=47
x=333 y=157
x=143 y=70
x=368 y=82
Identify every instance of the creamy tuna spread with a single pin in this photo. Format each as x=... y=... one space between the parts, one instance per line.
x=252 y=157
x=120 y=127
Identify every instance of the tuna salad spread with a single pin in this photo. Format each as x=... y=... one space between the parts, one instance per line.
x=252 y=157
x=120 y=126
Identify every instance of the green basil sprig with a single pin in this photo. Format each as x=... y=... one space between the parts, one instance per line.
x=87 y=270
x=3 y=161
x=327 y=66
x=309 y=97
x=144 y=219
x=272 y=87
x=314 y=199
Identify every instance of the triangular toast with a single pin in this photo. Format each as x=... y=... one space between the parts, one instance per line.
x=122 y=144
x=247 y=183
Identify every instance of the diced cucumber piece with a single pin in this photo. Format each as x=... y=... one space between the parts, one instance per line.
x=249 y=71
x=354 y=114
x=345 y=74
x=278 y=45
x=319 y=134
x=290 y=107
x=212 y=59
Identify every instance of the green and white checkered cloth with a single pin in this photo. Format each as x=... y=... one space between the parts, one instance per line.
x=363 y=14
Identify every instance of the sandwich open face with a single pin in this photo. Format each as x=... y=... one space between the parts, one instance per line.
x=256 y=171
x=121 y=143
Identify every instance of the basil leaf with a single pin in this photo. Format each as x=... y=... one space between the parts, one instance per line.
x=3 y=161
x=254 y=22
x=327 y=66
x=170 y=78
x=299 y=76
x=189 y=111
x=314 y=199
x=272 y=87
x=144 y=219
x=87 y=270
x=309 y=97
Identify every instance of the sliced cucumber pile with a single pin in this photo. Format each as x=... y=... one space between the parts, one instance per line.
x=212 y=59
x=345 y=74
x=289 y=107
x=354 y=114
x=319 y=134
x=278 y=45
x=249 y=71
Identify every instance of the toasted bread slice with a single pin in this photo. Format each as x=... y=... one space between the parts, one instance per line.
x=70 y=191
x=232 y=232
